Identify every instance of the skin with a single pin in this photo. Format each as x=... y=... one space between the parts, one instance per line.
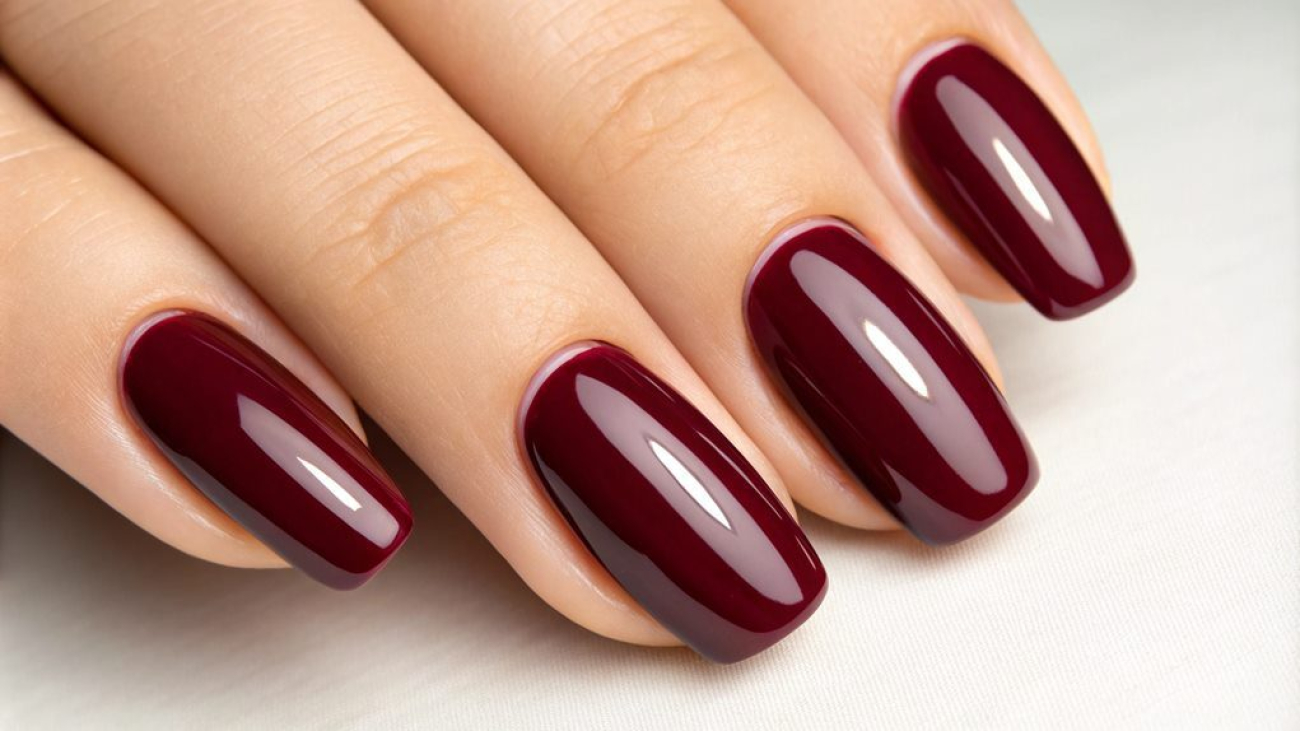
x=428 y=212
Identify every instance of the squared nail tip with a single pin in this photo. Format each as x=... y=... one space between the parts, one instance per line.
x=331 y=575
x=353 y=582
x=348 y=583
x=342 y=582
x=1060 y=313
x=339 y=579
x=954 y=537
x=752 y=645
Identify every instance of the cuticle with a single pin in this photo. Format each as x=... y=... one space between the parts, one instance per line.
x=543 y=372
x=142 y=326
x=920 y=58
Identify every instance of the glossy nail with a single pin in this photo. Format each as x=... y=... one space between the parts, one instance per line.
x=670 y=507
x=993 y=157
x=887 y=383
x=263 y=447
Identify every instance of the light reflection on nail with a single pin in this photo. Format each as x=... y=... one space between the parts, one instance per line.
x=331 y=484
x=1022 y=180
x=689 y=483
x=898 y=362
x=312 y=468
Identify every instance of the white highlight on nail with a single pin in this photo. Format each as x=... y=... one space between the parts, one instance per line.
x=897 y=361
x=331 y=484
x=689 y=483
x=1022 y=180
x=317 y=473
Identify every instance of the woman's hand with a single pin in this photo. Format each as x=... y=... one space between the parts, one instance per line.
x=445 y=210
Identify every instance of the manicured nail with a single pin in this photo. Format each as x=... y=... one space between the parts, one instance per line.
x=668 y=505
x=1007 y=174
x=890 y=386
x=263 y=447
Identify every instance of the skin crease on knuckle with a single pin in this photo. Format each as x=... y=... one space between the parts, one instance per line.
x=388 y=240
x=423 y=209
x=651 y=80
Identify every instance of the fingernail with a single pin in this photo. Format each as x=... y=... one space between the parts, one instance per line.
x=671 y=508
x=264 y=448
x=890 y=386
x=1006 y=173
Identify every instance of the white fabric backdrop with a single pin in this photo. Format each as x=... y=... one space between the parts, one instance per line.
x=1152 y=580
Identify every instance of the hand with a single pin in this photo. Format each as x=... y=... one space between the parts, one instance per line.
x=258 y=212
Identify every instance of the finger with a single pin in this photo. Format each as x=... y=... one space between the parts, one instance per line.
x=1000 y=168
x=434 y=279
x=676 y=143
x=93 y=274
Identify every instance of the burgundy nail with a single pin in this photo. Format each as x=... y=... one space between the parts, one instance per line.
x=890 y=386
x=1007 y=174
x=263 y=447
x=668 y=505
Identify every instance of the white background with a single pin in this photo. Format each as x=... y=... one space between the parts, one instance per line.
x=1152 y=580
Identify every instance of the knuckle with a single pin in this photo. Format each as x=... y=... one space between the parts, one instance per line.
x=404 y=210
x=661 y=83
x=39 y=174
x=103 y=28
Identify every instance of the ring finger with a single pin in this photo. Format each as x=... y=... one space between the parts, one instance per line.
x=685 y=153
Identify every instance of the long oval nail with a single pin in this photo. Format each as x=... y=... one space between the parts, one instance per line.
x=993 y=157
x=263 y=447
x=889 y=385
x=670 y=507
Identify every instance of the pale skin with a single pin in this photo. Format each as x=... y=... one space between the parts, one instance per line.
x=413 y=205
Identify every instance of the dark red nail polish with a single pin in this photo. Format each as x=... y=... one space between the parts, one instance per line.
x=668 y=505
x=1004 y=170
x=263 y=447
x=887 y=382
